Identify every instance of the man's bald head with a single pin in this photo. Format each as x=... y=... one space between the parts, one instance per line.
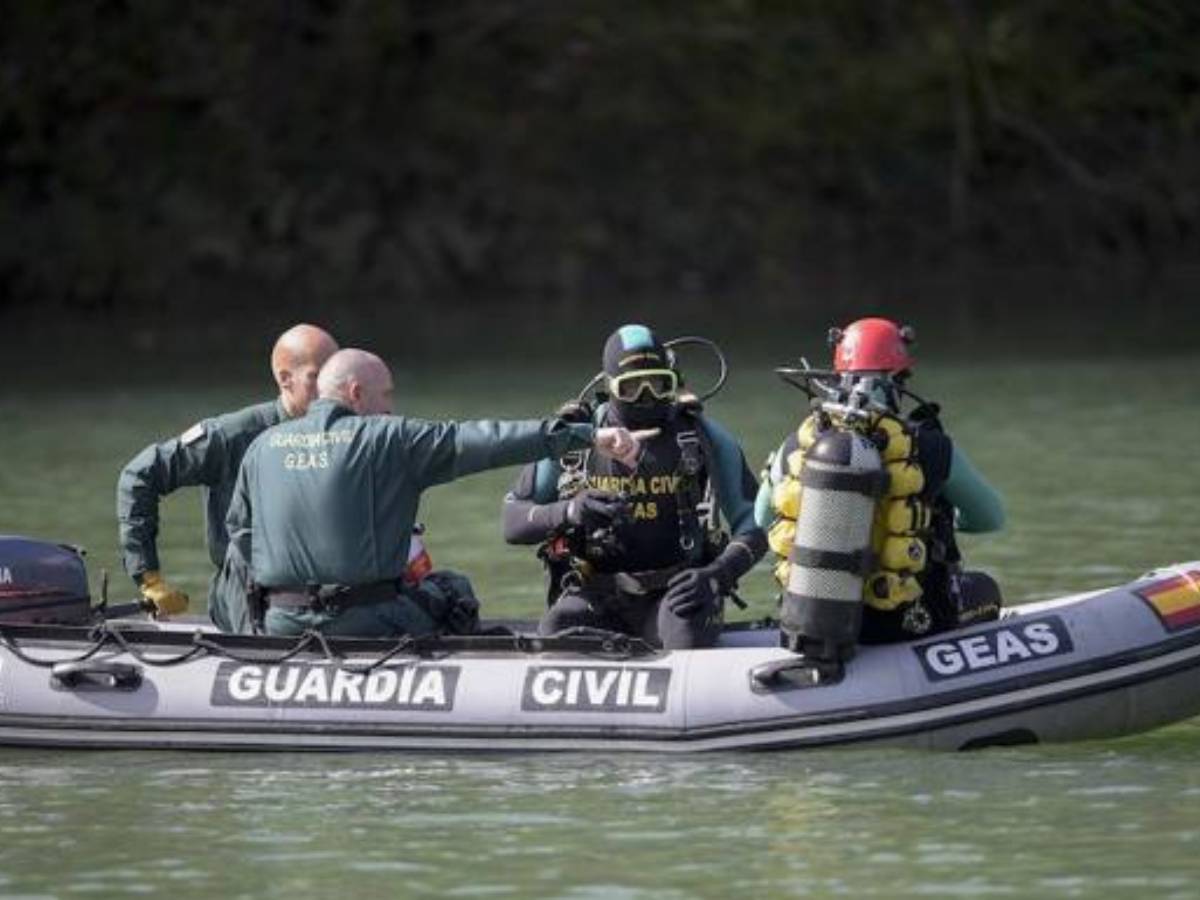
x=357 y=379
x=295 y=361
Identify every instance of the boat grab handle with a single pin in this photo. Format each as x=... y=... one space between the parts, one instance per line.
x=793 y=674
x=96 y=674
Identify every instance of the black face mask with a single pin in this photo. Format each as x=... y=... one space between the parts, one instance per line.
x=643 y=413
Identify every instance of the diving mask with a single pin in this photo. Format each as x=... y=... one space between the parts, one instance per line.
x=662 y=384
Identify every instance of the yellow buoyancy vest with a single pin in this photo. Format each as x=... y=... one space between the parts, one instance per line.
x=902 y=519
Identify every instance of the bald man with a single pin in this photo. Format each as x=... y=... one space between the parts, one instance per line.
x=208 y=455
x=324 y=505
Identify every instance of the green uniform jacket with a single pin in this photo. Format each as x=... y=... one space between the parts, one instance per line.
x=207 y=455
x=331 y=498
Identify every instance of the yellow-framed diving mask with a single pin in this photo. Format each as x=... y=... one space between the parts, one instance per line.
x=662 y=384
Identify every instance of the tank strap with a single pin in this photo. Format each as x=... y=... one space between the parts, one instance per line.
x=692 y=505
x=860 y=562
x=871 y=484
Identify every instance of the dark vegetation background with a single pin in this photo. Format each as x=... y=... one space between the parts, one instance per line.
x=196 y=175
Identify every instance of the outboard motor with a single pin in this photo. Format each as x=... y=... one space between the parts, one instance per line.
x=822 y=612
x=42 y=583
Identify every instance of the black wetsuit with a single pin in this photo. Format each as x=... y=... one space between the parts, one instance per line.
x=625 y=576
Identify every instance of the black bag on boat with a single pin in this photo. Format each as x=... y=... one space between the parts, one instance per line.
x=449 y=599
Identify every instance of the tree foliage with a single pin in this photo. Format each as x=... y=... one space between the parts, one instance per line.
x=160 y=155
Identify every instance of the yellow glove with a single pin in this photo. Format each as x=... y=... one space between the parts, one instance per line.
x=167 y=600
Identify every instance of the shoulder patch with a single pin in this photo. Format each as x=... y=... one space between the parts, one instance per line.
x=193 y=434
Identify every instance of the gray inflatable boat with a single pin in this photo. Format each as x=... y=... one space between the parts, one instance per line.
x=1096 y=665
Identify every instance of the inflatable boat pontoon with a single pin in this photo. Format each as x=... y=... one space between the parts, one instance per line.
x=1094 y=665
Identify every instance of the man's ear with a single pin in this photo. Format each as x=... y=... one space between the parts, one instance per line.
x=354 y=390
x=284 y=378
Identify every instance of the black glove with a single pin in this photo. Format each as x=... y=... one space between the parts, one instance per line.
x=696 y=591
x=448 y=599
x=575 y=411
x=463 y=615
x=693 y=592
x=594 y=509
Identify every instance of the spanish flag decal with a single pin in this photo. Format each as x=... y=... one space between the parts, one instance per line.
x=1176 y=600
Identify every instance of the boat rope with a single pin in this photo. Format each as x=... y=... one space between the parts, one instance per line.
x=610 y=643
x=201 y=645
x=406 y=644
x=200 y=639
x=582 y=640
x=11 y=645
x=114 y=635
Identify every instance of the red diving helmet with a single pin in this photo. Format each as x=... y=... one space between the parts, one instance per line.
x=872 y=345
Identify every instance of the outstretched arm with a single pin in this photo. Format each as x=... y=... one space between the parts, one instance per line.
x=437 y=452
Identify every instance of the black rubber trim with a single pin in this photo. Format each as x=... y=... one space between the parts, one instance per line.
x=821 y=626
x=856 y=563
x=867 y=483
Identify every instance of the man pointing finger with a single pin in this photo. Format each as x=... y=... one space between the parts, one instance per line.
x=324 y=505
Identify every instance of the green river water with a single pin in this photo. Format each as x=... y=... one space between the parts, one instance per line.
x=1097 y=460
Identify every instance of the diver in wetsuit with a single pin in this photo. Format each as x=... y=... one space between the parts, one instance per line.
x=639 y=549
x=915 y=584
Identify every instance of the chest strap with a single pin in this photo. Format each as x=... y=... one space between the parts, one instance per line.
x=694 y=500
